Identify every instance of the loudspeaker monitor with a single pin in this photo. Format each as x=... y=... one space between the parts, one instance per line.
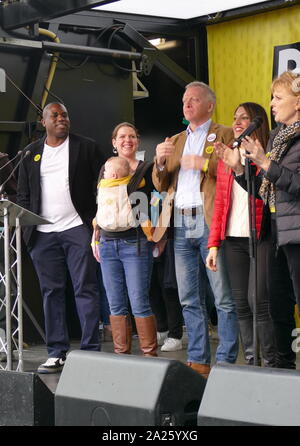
x=248 y=395
x=25 y=400
x=105 y=389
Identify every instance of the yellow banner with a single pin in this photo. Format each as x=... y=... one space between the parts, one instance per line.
x=240 y=55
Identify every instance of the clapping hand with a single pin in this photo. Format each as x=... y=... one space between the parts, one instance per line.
x=231 y=157
x=164 y=150
x=256 y=153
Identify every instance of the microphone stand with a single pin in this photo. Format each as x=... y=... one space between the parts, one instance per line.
x=11 y=160
x=250 y=179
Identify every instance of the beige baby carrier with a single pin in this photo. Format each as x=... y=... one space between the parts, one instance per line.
x=115 y=211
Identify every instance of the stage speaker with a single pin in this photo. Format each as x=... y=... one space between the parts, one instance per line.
x=25 y=400
x=248 y=395
x=105 y=389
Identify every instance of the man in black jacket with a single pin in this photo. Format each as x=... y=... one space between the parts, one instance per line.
x=58 y=182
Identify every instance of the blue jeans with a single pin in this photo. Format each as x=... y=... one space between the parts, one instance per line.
x=191 y=235
x=127 y=275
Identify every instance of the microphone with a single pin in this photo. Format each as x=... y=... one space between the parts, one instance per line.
x=27 y=153
x=13 y=159
x=255 y=124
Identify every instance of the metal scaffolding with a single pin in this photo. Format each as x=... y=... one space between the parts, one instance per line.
x=11 y=292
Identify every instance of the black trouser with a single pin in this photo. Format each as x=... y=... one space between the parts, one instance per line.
x=209 y=295
x=292 y=254
x=52 y=254
x=284 y=283
x=241 y=274
x=242 y=277
x=165 y=303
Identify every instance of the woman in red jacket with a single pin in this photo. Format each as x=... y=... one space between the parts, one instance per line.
x=231 y=223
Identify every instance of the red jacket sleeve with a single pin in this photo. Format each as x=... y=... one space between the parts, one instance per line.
x=218 y=224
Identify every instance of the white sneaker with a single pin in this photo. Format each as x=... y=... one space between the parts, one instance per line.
x=161 y=337
x=52 y=365
x=171 y=345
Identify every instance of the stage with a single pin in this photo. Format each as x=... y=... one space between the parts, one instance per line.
x=23 y=386
x=78 y=393
x=34 y=355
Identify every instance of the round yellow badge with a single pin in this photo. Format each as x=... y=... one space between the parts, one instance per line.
x=209 y=149
x=37 y=157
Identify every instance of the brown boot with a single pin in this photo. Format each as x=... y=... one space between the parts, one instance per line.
x=121 y=332
x=202 y=369
x=146 y=329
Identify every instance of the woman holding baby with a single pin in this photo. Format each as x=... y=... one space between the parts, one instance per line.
x=126 y=254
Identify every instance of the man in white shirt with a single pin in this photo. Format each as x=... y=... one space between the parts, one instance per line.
x=58 y=182
x=186 y=167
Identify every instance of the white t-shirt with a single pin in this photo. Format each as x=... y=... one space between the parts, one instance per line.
x=238 y=221
x=56 y=203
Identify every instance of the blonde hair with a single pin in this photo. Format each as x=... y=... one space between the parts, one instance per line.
x=120 y=165
x=289 y=80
